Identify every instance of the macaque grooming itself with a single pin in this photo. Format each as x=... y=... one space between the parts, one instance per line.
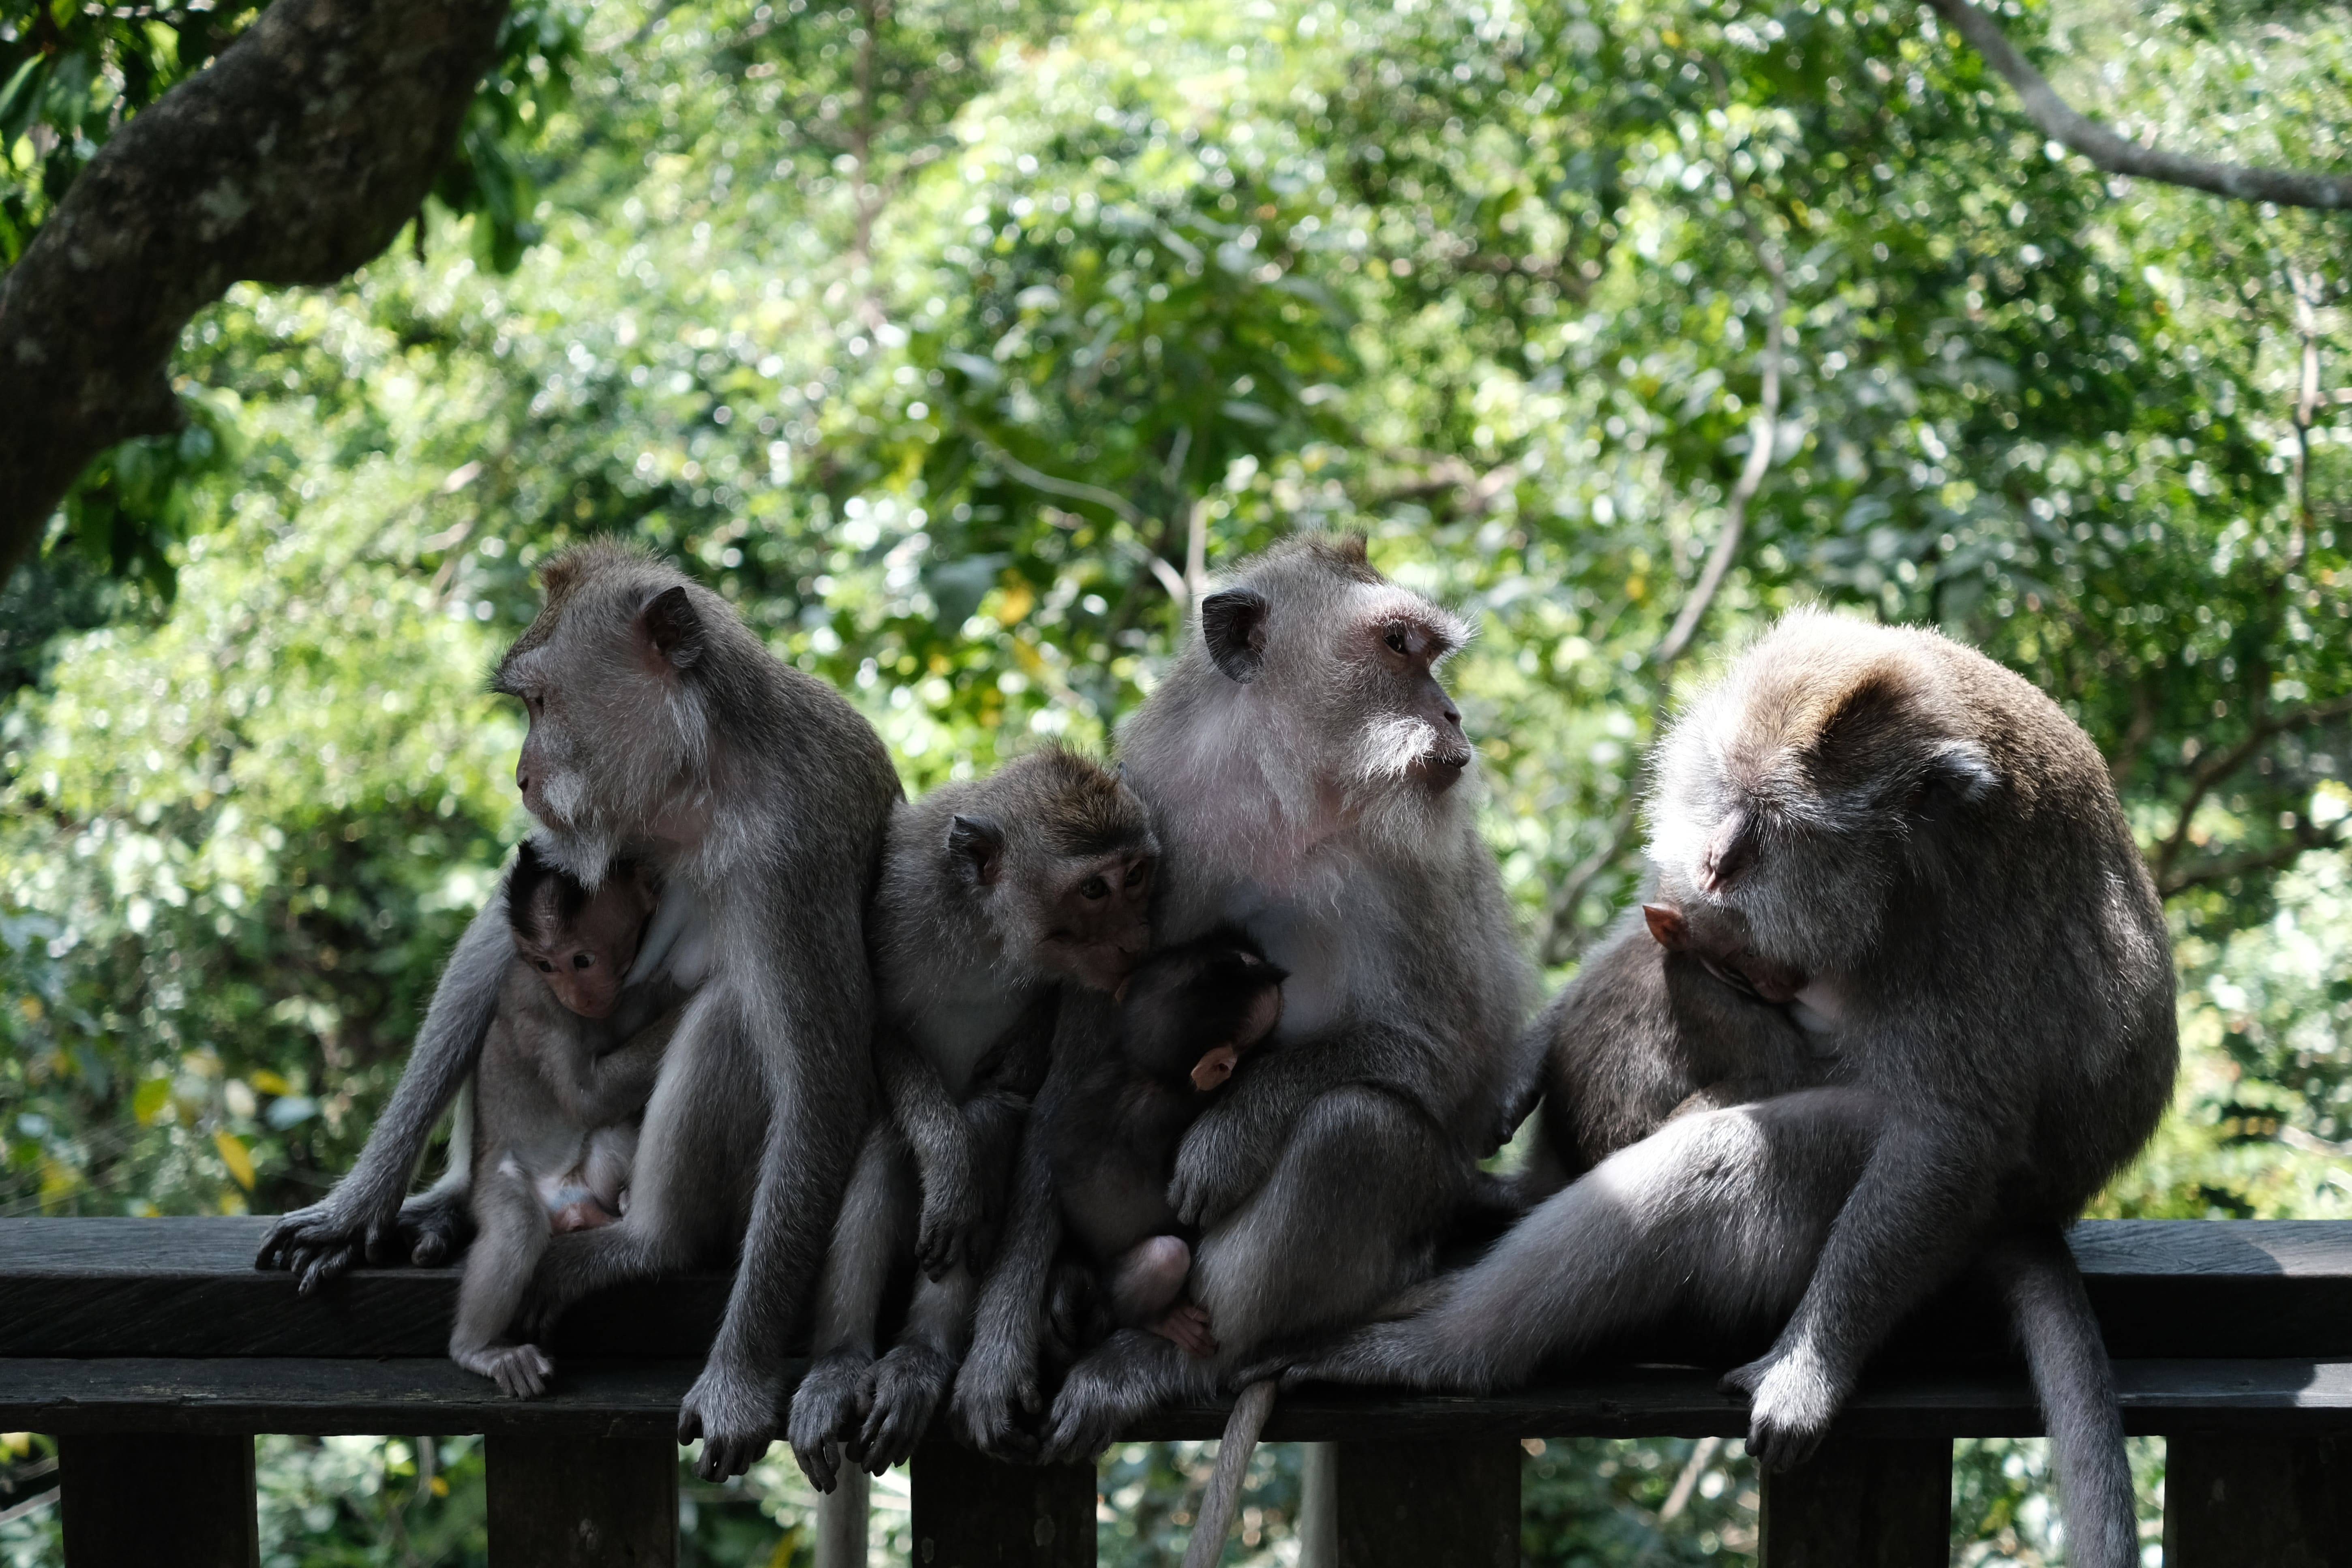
x=665 y=732
x=995 y=896
x=1934 y=852
x=563 y=1080
x=1186 y=1016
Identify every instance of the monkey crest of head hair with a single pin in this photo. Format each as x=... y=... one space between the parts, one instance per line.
x=617 y=669
x=542 y=900
x=1281 y=646
x=1806 y=785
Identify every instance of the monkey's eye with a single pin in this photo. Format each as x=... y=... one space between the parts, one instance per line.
x=1094 y=888
x=583 y=961
x=1395 y=639
x=545 y=967
x=1138 y=875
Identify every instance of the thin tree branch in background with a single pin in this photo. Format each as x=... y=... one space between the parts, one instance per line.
x=1764 y=434
x=2308 y=836
x=2108 y=150
x=1560 y=932
x=295 y=157
x=1068 y=489
x=2220 y=767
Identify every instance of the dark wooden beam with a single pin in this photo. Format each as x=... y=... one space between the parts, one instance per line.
x=583 y=1502
x=132 y=1499
x=972 y=1511
x=1861 y=1502
x=1426 y=1505
x=640 y=1399
x=2257 y=1501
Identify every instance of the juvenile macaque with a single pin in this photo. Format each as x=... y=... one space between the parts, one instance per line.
x=1308 y=774
x=1187 y=1016
x=1934 y=852
x=563 y=1081
x=995 y=896
x=664 y=731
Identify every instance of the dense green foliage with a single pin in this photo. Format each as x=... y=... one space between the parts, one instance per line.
x=933 y=335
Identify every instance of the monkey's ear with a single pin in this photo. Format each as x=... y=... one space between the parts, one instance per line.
x=673 y=627
x=1232 y=623
x=1965 y=768
x=1665 y=923
x=980 y=840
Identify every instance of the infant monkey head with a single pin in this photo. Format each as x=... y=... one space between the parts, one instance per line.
x=1718 y=938
x=1189 y=1012
x=581 y=943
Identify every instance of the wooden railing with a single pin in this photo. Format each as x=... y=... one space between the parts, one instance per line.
x=154 y=1351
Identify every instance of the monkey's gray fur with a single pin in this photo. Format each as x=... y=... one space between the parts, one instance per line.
x=996 y=896
x=661 y=728
x=1934 y=844
x=1306 y=771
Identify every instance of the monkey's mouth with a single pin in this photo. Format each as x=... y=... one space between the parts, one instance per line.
x=1442 y=769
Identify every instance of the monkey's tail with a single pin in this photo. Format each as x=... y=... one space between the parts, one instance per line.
x=1222 y=1499
x=2072 y=1377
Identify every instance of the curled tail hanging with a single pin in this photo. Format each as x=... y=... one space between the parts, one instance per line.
x=1222 y=1499
x=2052 y=1317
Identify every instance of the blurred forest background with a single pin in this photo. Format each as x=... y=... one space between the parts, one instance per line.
x=932 y=333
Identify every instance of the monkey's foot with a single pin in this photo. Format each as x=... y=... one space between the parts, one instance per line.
x=952 y=1215
x=1131 y=1373
x=904 y=1391
x=432 y=1227
x=1792 y=1398
x=734 y=1413
x=827 y=1409
x=993 y=1398
x=521 y=1371
x=319 y=1242
x=1186 y=1326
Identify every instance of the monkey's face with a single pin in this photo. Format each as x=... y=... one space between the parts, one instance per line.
x=1095 y=919
x=585 y=960
x=617 y=736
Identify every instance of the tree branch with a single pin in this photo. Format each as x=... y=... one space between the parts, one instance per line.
x=2111 y=151
x=293 y=158
x=2308 y=836
x=2222 y=765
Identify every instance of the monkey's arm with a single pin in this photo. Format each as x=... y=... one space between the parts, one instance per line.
x=361 y=1217
x=616 y=1086
x=998 y=1381
x=1910 y=1224
x=945 y=1161
x=1230 y=1152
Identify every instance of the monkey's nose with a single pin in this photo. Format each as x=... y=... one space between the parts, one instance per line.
x=1730 y=850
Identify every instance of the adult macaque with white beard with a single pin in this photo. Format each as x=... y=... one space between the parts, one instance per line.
x=662 y=730
x=1307 y=774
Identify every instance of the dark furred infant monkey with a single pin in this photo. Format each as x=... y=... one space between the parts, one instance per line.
x=995 y=896
x=1930 y=842
x=1186 y=1016
x=564 y=1077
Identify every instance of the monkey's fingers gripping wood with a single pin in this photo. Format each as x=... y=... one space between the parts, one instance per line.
x=1222 y=1499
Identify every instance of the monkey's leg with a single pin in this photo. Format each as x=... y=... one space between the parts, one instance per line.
x=1721 y=1214
x=998 y=1384
x=1917 y=1212
x=815 y=1058
x=360 y=1218
x=831 y=1402
x=907 y=1384
x=942 y=1145
x=514 y=1233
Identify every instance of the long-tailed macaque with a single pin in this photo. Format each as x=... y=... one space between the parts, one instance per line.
x=562 y=1084
x=1187 y=1016
x=662 y=730
x=1936 y=851
x=995 y=896
x=1308 y=776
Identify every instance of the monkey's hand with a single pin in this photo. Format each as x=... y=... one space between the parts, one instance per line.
x=327 y=1238
x=992 y=1402
x=735 y=1416
x=1218 y=1166
x=1792 y=1398
x=433 y=1226
x=827 y=1409
x=955 y=1219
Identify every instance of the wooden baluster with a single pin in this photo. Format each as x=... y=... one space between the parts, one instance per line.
x=842 y=1517
x=2257 y=1501
x=133 y=1498
x=972 y=1511
x=583 y=1502
x=1420 y=1505
x=1874 y=1502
